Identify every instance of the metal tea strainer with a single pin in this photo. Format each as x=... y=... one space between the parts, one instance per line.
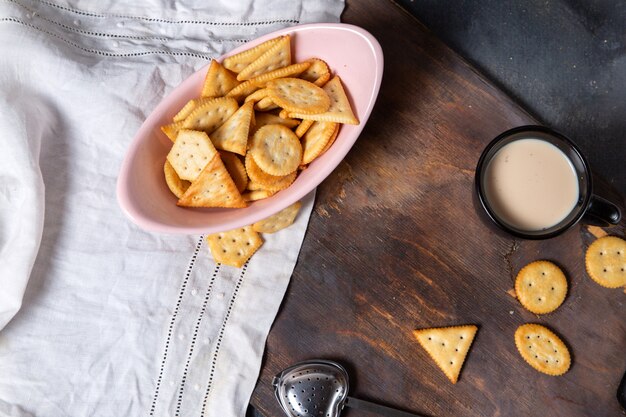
x=319 y=388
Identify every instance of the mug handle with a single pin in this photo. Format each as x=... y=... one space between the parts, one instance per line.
x=603 y=212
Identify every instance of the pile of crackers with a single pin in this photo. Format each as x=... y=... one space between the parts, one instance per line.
x=260 y=120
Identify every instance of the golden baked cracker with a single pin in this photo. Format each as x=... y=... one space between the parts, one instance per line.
x=171 y=130
x=541 y=287
x=298 y=96
x=234 y=247
x=265 y=104
x=303 y=127
x=257 y=195
x=238 y=62
x=317 y=69
x=315 y=139
x=332 y=139
x=242 y=91
x=322 y=80
x=293 y=70
x=258 y=95
x=448 y=347
x=542 y=349
x=278 y=221
x=218 y=81
x=606 y=261
x=276 y=149
x=213 y=188
x=190 y=107
x=277 y=56
x=190 y=154
x=339 y=111
x=173 y=181
x=263 y=119
x=235 y=168
x=283 y=114
x=211 y=115
x=265 y=180
x=232 y=136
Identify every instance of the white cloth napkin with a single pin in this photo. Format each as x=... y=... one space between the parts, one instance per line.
x=115 y=321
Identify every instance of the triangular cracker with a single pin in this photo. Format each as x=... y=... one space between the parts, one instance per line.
x=278 y=56
x=238 y=62
x=447 y=346
x=173 y=181
x=235 y=168
x=232 y=136
x=213 y=188
x=218 y=81
x=339 y=111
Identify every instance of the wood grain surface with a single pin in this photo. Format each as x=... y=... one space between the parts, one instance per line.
x=396 y=243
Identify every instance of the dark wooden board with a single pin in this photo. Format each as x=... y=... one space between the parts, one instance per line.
x=395 y=243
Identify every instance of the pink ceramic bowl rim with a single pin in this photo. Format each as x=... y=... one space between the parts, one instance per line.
x=282 y=199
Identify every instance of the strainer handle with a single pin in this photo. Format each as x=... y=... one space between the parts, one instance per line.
x=377 y=408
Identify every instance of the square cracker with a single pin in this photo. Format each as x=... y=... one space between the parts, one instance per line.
x=234 y=247
x=190 y=154
x=448 y=347
x=211 y=115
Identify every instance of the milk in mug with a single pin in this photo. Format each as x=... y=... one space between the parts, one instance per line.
x=531 y=185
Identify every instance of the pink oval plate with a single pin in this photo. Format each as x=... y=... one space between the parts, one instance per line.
x=351 y=52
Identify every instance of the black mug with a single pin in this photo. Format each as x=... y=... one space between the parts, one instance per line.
x=597 y=209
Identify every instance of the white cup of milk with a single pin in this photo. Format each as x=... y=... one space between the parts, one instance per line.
x=535 y=183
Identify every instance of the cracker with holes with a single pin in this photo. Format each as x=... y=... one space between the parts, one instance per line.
x=232 y=136
x=278 y=221
x=171 y=130
x=605 y=261
x=542 y=349
x=318 y=72
x=173 y=181
x=218 y=81
x=189 y=107
x=211 y=115
x=190 y=154
x=298 y=96
x=238 y=62
x=277 y=56
x=541 y=287
x=214 y=187
x=315 y=140
x=235 y=247
x=264 y=181
x=339 y=111
x=448 y=347
x=276 y=150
